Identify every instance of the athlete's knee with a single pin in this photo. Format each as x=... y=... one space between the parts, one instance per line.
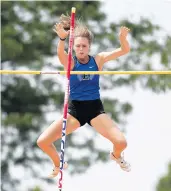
x=41 y=142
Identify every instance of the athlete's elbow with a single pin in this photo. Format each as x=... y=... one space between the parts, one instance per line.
x=126 y=50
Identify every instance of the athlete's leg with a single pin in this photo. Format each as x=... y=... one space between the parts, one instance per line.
x=53 y=133
x=107 y=128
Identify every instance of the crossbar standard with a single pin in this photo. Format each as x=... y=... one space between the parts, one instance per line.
x=87 y=72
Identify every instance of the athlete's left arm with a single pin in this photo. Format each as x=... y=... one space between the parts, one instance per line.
x=124 y=48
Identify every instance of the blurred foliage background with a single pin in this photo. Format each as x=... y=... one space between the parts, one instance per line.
x=29 y=102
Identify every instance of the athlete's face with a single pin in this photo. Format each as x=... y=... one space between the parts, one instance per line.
x=81 y=47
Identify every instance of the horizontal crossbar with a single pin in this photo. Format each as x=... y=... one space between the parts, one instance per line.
x=86 y=72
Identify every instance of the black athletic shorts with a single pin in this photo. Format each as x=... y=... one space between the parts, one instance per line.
x=85 y=111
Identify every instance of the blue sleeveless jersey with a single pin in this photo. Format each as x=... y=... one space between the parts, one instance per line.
x=84 y=87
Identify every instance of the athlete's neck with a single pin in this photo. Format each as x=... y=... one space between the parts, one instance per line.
x=84 y=60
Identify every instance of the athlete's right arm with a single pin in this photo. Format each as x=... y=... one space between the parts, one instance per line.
x=62 y=54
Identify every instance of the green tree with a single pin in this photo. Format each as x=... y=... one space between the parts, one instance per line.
x=28 y=42
x=164 y=183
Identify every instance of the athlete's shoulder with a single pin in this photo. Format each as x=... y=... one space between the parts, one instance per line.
x=98 y=60
x=92 y=58
x=74 y=58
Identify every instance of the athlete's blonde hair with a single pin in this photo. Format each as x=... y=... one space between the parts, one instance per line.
x=80 y=30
